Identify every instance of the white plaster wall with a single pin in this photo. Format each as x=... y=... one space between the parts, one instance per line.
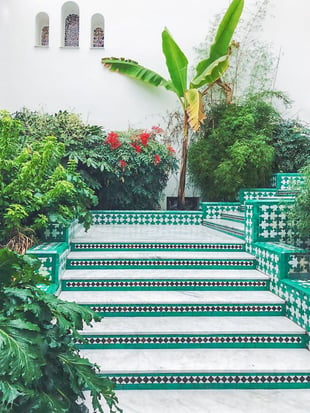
x=56 y=78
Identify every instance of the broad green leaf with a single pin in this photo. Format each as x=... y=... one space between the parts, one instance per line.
x=225 y=31
x=176 y=63
x=213 y=72
x=194 y=108
x=134 y=70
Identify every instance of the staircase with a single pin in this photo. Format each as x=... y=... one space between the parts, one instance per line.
x=184 y=309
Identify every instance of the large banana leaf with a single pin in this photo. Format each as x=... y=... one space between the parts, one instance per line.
x=194 y=108
x=220 y=46
x=176 y=62
x=133 y=69
x=213 y=72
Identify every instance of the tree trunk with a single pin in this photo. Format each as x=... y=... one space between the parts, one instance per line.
x=183 y=163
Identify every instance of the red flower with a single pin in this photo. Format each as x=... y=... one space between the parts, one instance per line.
x=112 y=140
x=157 y=129
x=170 y=149
x=144 y=137
x=136 y=146
x=123 y=164
x=157 y=159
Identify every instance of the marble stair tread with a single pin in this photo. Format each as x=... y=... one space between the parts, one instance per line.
x=238 y=214
x=152 y=233
x=217 y=255
x=225 y=223
x=145 y=274
x=211 y=401
x=194 y=325
x=199 y=360
x=171 y=297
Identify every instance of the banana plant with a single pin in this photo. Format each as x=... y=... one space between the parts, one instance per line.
x=208 y=72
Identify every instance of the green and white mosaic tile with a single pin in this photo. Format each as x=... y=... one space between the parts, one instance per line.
x=147 y=217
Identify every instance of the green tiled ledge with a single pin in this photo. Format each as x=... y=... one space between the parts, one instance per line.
x=149 y=310
x=212 y=210
x=159 y=341
x=53 y=257
x=237 y=380
x=161 y=263
x=147 y=217
x=164 y=284
x=155 y=246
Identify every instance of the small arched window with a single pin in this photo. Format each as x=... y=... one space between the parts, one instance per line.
x=97 y=30
x=70 y=25
x=42 y=29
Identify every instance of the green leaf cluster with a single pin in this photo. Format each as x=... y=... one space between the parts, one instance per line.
x=138 y=186
x=35 y=188
x=300 y=217
x=234 y=149
x=291 y=143
x=40 y=368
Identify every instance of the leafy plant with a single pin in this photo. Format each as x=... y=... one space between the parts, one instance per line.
x=83 y=142
x=233 y=149
x=40 y=368
x=35 y=188
x=208 y=71
x=139 y=169
x=292 y=146
x=300 y=216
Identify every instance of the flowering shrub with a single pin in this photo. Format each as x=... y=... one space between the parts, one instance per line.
x=120 y=167
x=139 y=167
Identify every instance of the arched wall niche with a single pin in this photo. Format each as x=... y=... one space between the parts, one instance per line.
x=42 y=30
x=70 y=20
x=97 y=31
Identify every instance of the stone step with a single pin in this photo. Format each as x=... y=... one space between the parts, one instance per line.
x=236 y=216
x=160 y=259
x=139 y=279
x=151 y=233
x=176 y=303
x=198 y=332
x=210 y=401
x=203 y=368
x=226 y=226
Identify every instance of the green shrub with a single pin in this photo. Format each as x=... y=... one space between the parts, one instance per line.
x=138 y=185
x=35 y=188
x=292 y=146
x=301 y=212
x=40 y=368
x=233 y=150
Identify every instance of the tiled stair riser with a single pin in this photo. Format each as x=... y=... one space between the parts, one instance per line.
x=190 y=310
x=193 y=341
x=157 y=284
x=161 y=263
x=164 y=246
x=211 y=381
x=147 y=217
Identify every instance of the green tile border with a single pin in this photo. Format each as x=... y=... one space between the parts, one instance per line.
x=171 y=341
